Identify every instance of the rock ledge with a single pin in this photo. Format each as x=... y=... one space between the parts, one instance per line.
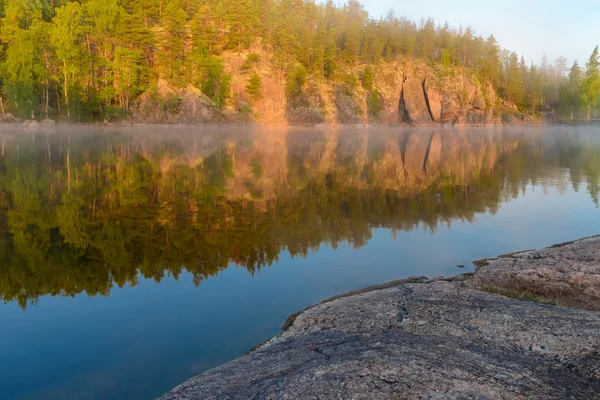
x=441 y=339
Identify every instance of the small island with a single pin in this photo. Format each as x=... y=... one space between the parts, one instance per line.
x=523 y=325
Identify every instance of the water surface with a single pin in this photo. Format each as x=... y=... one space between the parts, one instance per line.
x=133 y=259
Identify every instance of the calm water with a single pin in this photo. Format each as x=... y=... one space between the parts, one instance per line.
x=131 y=260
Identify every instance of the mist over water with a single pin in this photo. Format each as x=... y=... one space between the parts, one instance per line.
x=133 y=259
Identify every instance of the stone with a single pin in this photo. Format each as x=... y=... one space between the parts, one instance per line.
x=450 y=108
x=567 y=275
x=476 y=117
x=169 y=104
x=442 y=338
x=413 y=105
x=305 y=116
x=348 y=109
x=417 y=340
x=48 y=122
x=7 y=118
x=31 y=123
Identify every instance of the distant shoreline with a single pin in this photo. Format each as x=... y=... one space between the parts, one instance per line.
x=259 y=124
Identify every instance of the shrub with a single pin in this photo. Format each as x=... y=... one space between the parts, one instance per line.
x=296 y=78
x=374 y=103
x=254 y=86
x=368 y=78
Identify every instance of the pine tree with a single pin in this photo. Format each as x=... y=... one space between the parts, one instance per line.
x=254 y=86
x=514 y=84
x=173 y=41
x=591 y=83
x=368 y=77
x=573 y=96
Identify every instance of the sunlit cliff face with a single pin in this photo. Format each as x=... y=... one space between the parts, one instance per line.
x=83 y=211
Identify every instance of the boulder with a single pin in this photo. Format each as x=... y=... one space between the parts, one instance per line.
x=7 y=118
x=30 y=123
x=168 y=104
x=413 y=105
x=305 y=116
x=475 y=117
x=48 y=122
x=197 y=107
x=566 y=274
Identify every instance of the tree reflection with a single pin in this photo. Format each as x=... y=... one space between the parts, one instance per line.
x=86 y=211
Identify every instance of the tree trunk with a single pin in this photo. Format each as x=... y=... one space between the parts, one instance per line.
x=66 y=90
x=589 y=111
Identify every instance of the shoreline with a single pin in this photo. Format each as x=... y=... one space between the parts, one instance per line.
x=253 y=125
x=537 y=311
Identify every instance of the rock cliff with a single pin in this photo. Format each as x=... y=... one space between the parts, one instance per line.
x=401 y=93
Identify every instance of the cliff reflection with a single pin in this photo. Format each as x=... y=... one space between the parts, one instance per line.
x=82 y=212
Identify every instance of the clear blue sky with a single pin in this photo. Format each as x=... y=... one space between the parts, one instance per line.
x=569 y=28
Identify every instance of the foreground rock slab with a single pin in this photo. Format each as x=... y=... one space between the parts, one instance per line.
x=566 y=274
x=438 y=340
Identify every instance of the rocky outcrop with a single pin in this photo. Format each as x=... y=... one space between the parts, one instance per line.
x=409 y=93
x=305 y=116
x=439 y=100
x=567 y=275
x=348 y=108
x=414 y=109
x=168 y=104
x=434 y=101
x=433 y=339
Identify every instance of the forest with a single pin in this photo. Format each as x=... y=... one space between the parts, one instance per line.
x=91 y=59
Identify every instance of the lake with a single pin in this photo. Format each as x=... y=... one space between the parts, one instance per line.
x=132 y=259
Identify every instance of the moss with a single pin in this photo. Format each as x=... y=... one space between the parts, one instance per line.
x=517 y=294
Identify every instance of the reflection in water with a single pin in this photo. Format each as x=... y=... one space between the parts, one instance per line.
x=82 y=212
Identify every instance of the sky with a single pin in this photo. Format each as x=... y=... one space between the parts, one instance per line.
x=532 y=28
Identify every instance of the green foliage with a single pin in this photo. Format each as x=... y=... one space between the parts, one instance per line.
x=172 y=54
x=368 y=77
x=250 y=62
x=114 y=114
x=374 y=103
x=254 y=86
x=79 y=57
x=570 y=93
x=349 y=83
x=212 y=80
x=295 y=80
x=591 y=83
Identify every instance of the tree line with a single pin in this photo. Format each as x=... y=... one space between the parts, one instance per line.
x=90 y=59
